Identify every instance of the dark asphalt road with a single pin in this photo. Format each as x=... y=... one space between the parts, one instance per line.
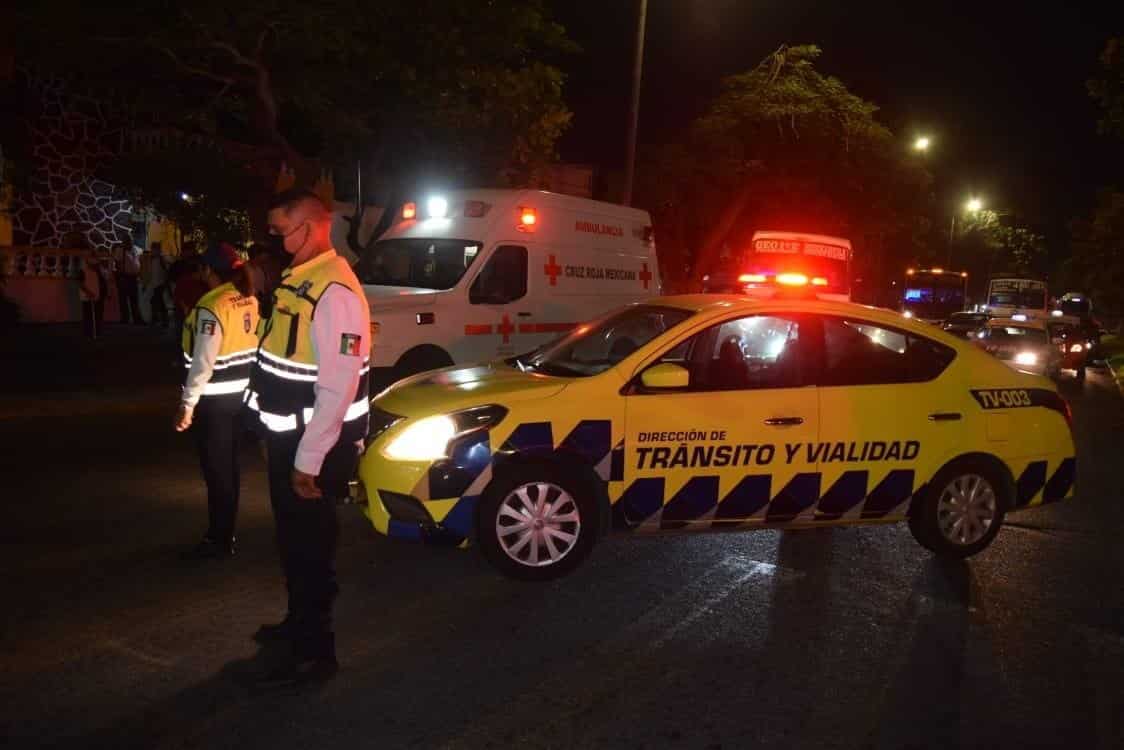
x=844 y=638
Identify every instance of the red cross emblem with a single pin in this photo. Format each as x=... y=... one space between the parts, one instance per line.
x=552 y=270
x=645 y=274
x=505 y=328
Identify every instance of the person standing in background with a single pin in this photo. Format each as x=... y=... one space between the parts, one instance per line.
x=219 y=339
x=128 y=273
x=156 y=282
x=90 y=292
x=104 y=267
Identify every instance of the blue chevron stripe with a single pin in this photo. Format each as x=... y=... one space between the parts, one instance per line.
x=692 y=501
x=848 y=491
x=1030 y=482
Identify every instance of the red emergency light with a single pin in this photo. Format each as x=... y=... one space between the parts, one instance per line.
x=528 y=218
x=409 y=211
x=751 y=278
x=792 y=279
x=819 y=281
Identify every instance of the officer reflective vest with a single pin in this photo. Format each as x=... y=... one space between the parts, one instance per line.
x=237 y=318
x=282 y=385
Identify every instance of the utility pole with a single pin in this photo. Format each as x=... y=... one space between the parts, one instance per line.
x=634 y=107
x=951 y=234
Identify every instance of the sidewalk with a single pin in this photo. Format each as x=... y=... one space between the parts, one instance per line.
x=51 y=370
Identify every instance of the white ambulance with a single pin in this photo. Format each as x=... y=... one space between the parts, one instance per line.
x=471 y=276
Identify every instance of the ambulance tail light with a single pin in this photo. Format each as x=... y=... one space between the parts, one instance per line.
x=792 y=279
x=751 y=278
x=819 y=281
x=528 y=219
x=409 y=211
x=476 y=209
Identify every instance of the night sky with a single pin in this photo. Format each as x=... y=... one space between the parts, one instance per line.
x=999 y=87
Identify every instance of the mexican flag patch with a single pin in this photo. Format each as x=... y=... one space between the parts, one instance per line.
x=349 y=344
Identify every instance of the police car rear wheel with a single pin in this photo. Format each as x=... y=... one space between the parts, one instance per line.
x=534 y=524
x=962 y=512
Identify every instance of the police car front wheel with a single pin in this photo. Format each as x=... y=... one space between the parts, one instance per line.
x=535 y=524
x=962 y=510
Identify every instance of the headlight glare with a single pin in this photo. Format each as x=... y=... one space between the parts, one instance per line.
x=1026 y=358
x=429 y=438
x=424 y=440
x=1077 y=348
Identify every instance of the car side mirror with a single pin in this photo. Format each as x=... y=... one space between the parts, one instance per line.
x=666 y=375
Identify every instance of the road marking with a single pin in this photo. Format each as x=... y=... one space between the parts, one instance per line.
x=633 y=642
x=756 y=570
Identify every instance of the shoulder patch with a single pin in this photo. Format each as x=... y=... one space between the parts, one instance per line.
x=207 y=327
x=349 y=344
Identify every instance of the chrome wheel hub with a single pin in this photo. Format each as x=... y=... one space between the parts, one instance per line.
x=538 y=524
x=966 y=509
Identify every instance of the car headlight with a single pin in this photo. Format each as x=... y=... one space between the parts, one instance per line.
x=1026 y=358
x=907 y=314
x=1076 y=348
x=428 y=439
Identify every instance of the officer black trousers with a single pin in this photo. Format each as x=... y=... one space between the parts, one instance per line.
x=217 y=425
x=307 y=532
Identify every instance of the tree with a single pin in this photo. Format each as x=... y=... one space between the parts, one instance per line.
x=1097 y=263
x=784 y=146
x=455 y=87
x=1107 y=88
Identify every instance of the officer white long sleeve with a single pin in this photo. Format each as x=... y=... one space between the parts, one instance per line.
x=208 y=342
x=341 y=318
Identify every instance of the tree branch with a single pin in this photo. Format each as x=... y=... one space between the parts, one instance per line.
x=227 y=81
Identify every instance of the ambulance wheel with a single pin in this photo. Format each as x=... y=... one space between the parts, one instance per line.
x=421 y=359
x=536 y=522
x=962 y=509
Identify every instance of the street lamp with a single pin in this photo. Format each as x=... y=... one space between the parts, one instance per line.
x=973 y=206
x=922 y=143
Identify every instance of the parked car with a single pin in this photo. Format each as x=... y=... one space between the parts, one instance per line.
x=965 y=324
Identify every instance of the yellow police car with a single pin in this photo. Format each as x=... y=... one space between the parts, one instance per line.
x=710 y=412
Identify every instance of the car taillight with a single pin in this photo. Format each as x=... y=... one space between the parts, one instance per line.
x=1053 y=400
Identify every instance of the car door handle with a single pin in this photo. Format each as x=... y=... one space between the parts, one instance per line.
x=524 y=314
x=781 y=421
x=944 y=416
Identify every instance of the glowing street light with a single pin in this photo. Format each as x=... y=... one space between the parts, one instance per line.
x=974 y=205
x=922 y=143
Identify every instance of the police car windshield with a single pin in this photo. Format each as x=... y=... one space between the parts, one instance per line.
x=419 y=263
x=593 y=348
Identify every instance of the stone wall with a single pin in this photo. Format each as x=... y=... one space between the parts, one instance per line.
x=72 y=137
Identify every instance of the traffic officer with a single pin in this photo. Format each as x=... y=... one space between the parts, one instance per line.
x=219 y=341
x=309 y=392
